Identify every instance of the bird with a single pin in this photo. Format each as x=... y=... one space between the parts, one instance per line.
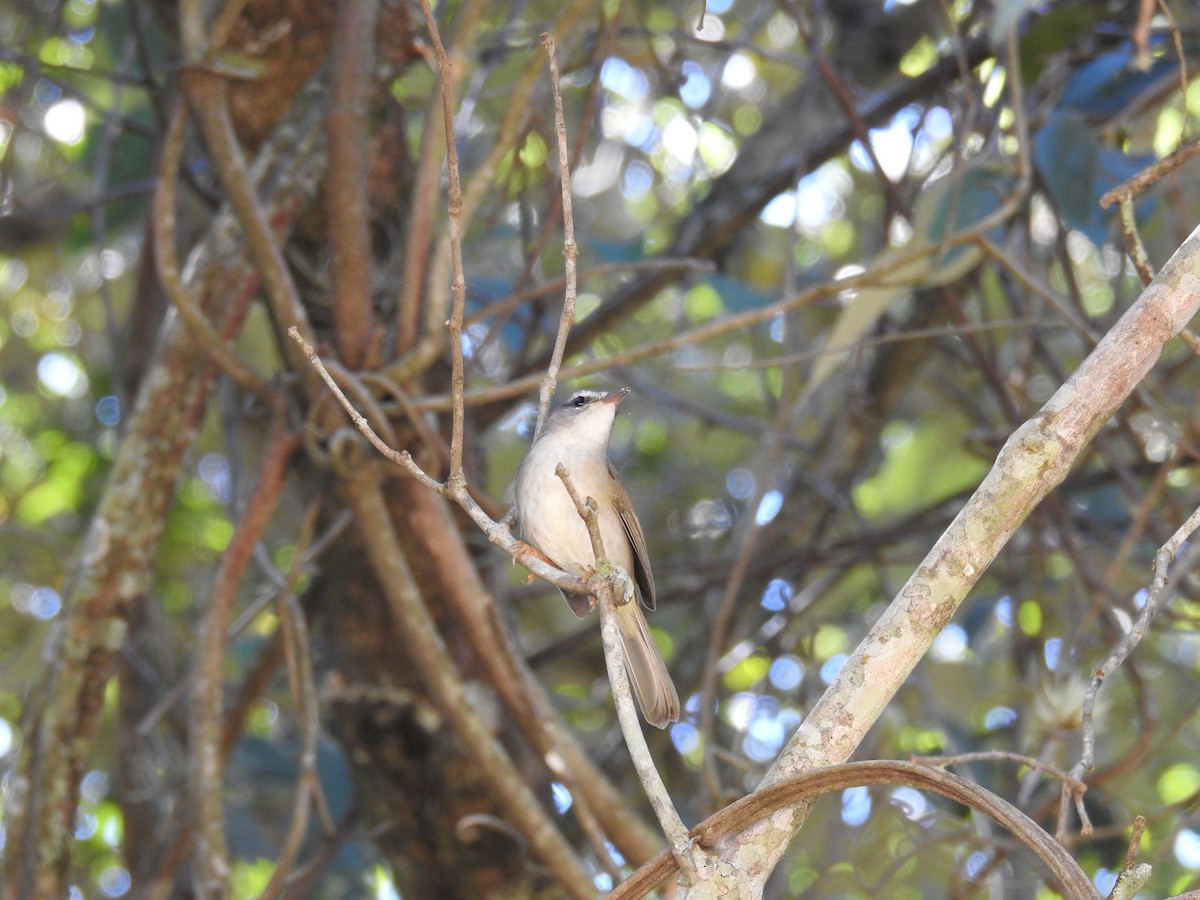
x=576 y=435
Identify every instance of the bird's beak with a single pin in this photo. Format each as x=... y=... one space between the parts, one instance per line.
x=616 y=396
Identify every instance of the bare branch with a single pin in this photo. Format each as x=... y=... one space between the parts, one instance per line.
x=163 y=223
x=400 y=457
x=746 y=541
x=304 y=696
x=881 y=276
x=506 y=671
x=1002 y=755
x=116 y=563
x=349 y=164
x=430 y=345
x=570 y=251
x=1154 y=172
x=455 y=219
x=1133 y=241
x=206 y=92
x=455 y=487
x=1132 y=877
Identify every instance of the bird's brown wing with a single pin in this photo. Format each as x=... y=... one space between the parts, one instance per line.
x=641 y=559
x=581 y=604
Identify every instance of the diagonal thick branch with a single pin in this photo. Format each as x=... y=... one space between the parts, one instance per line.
x=1034 y=460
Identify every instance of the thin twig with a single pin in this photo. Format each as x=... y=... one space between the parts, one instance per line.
x=1184 y=77
x=116 y=565
x=512 y=125
x=98 y=214
x=419 y=223
x=426 y=434
x=162 y=223
x=469 y=827
x=400 y=457
x=309 y=792
x=1152 y=173
x=363 y=398
x=570 y=250
x=881 y=276
x=207 y=782
x=1132 y=877
x=1169 y=566
x=438 y=273
x=746 y=541
x=469 y=603
x=602 y=49
x=1135 y=841
x=1016 y=102
x=454 y=488
x=1035 y=459
x=207 y=93
x=914 y=334
x=423 y=291
x=1133 y=241
x=1003 y=756
x=454 y=210
x=844 y=98
x=554 y=285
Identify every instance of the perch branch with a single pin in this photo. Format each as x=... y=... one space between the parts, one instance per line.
x=604 y=587
x=432 y=520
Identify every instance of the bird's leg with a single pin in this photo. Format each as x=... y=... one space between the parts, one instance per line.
x=627 y=590
x=606 y=569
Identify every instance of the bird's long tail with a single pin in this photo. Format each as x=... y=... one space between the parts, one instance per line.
x=652 y=685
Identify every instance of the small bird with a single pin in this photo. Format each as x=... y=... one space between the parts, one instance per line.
x=576 y=435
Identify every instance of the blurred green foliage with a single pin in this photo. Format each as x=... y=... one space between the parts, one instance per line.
x=678 y=120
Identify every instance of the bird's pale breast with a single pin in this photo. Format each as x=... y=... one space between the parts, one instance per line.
x=554 y=526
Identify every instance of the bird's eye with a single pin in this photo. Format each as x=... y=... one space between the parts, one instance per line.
x=579 y=401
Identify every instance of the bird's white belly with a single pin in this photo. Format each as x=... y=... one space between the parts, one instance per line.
x=555 y=527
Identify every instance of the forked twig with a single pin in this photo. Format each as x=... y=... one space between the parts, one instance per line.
x=1133 y=877
x=1169 y=566
x=454 y=487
